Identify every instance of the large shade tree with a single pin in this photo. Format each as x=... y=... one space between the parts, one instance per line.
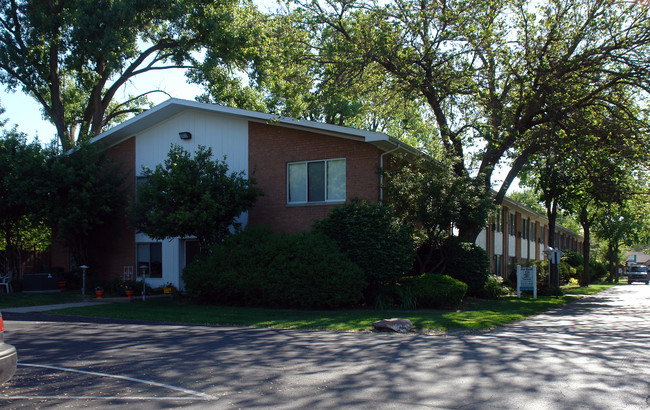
x=22 y=171
x=490 y=74
x=73 y=56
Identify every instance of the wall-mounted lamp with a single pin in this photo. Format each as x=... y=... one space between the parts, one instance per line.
x=185 y=135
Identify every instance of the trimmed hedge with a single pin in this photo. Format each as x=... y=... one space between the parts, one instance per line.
x=259 y=268
x=437 y=291
x=372 y=237
x=468 y=263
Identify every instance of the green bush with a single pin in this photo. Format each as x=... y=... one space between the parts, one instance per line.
x=259 y=268
x=468 y=263
x=401 y=296
x=598 y=271
x=495 y=288
x=438 y=291
x=573 y=258
x=371 y=237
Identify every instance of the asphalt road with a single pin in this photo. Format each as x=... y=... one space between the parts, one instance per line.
x=592 y=354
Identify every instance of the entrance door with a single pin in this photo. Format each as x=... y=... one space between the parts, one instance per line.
x=190 y=251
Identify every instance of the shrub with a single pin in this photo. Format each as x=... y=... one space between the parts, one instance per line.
x=598 y=271
x=468 y=263
x=371 y=237
x=401 y=296
x=260 y=268
x=438 y=291
x=573 y=258
x=494 y=288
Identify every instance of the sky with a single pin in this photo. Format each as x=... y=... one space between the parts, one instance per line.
x=25 y=112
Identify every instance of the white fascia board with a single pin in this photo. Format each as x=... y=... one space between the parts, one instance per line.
x=173 y=106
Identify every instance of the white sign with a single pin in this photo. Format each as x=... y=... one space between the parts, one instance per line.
x=526 y=280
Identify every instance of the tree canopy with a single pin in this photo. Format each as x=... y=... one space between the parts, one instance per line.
x=73 y=56
x=488 y=77
x=191 y=196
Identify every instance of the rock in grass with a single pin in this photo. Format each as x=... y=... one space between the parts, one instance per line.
x=393 y=325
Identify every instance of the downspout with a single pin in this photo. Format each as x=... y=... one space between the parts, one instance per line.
x=381 y=175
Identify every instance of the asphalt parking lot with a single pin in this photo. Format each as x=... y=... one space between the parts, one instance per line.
x=591 y=354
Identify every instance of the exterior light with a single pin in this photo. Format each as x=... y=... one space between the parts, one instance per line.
x=185 y=135
x=83 y=280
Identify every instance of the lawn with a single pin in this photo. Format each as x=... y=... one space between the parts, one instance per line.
x=20 y=299
x=474 y=314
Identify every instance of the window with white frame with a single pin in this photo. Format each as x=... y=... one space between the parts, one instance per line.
x=316 y=181
x=150 y=259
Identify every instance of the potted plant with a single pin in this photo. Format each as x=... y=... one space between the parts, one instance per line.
x=169 y=289
x=99 y=291
x=128 y=291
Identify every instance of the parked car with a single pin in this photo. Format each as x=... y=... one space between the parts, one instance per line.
x=638 y=273
x=8 y=356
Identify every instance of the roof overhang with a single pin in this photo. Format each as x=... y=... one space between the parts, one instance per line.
x=174 y=106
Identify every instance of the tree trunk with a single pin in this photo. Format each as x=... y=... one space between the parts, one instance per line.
x=610 y=257
x=553 y=271
x=585 y=279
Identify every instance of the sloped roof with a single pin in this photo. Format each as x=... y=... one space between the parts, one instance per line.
x=173 y=106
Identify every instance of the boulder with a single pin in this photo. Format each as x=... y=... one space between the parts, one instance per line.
x=394 y=325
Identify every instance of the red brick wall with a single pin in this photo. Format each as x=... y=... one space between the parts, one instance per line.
x=271 y=147
x=114 y=244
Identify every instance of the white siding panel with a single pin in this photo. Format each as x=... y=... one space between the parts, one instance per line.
x=512 y=246
x=524 y=248
x=498 y=243
x=226 y=136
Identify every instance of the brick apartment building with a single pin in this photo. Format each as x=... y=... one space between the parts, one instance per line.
x=304 y=169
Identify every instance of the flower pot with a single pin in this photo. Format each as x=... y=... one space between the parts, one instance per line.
x=129 y=293
x=99 y=293
x=61 y=285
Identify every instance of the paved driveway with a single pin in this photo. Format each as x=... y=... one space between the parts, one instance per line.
x=591 y=354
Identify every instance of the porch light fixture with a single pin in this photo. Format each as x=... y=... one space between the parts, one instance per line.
x=185 y=135
x=83 y=280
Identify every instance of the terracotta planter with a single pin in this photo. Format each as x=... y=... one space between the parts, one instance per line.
x=61 y=285
x=99 y=293
x=129 y=293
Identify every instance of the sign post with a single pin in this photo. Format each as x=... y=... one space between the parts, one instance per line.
x=527 y=280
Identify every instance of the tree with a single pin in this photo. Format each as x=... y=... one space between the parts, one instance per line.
x=73 y=56
x=83 y=193
x=616 y=226
x=192 y=196
x=434 y=200
x=287 y=80
x=492 y=73
x=593 y=172
x=22 y=171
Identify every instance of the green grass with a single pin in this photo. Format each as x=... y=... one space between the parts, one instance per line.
x=589 y=290
x=474 y=314
x=21 y=299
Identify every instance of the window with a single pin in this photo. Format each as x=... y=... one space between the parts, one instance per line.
x=499 y=228
x=512 y=226
x=524 y=228
x=498 y=265
x=533 y=230
x=316 y=181
x=150 y=255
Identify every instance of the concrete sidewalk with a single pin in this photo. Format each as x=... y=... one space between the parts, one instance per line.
x=87 y=302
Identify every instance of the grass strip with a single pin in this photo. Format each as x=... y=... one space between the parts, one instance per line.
x=473 y=314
